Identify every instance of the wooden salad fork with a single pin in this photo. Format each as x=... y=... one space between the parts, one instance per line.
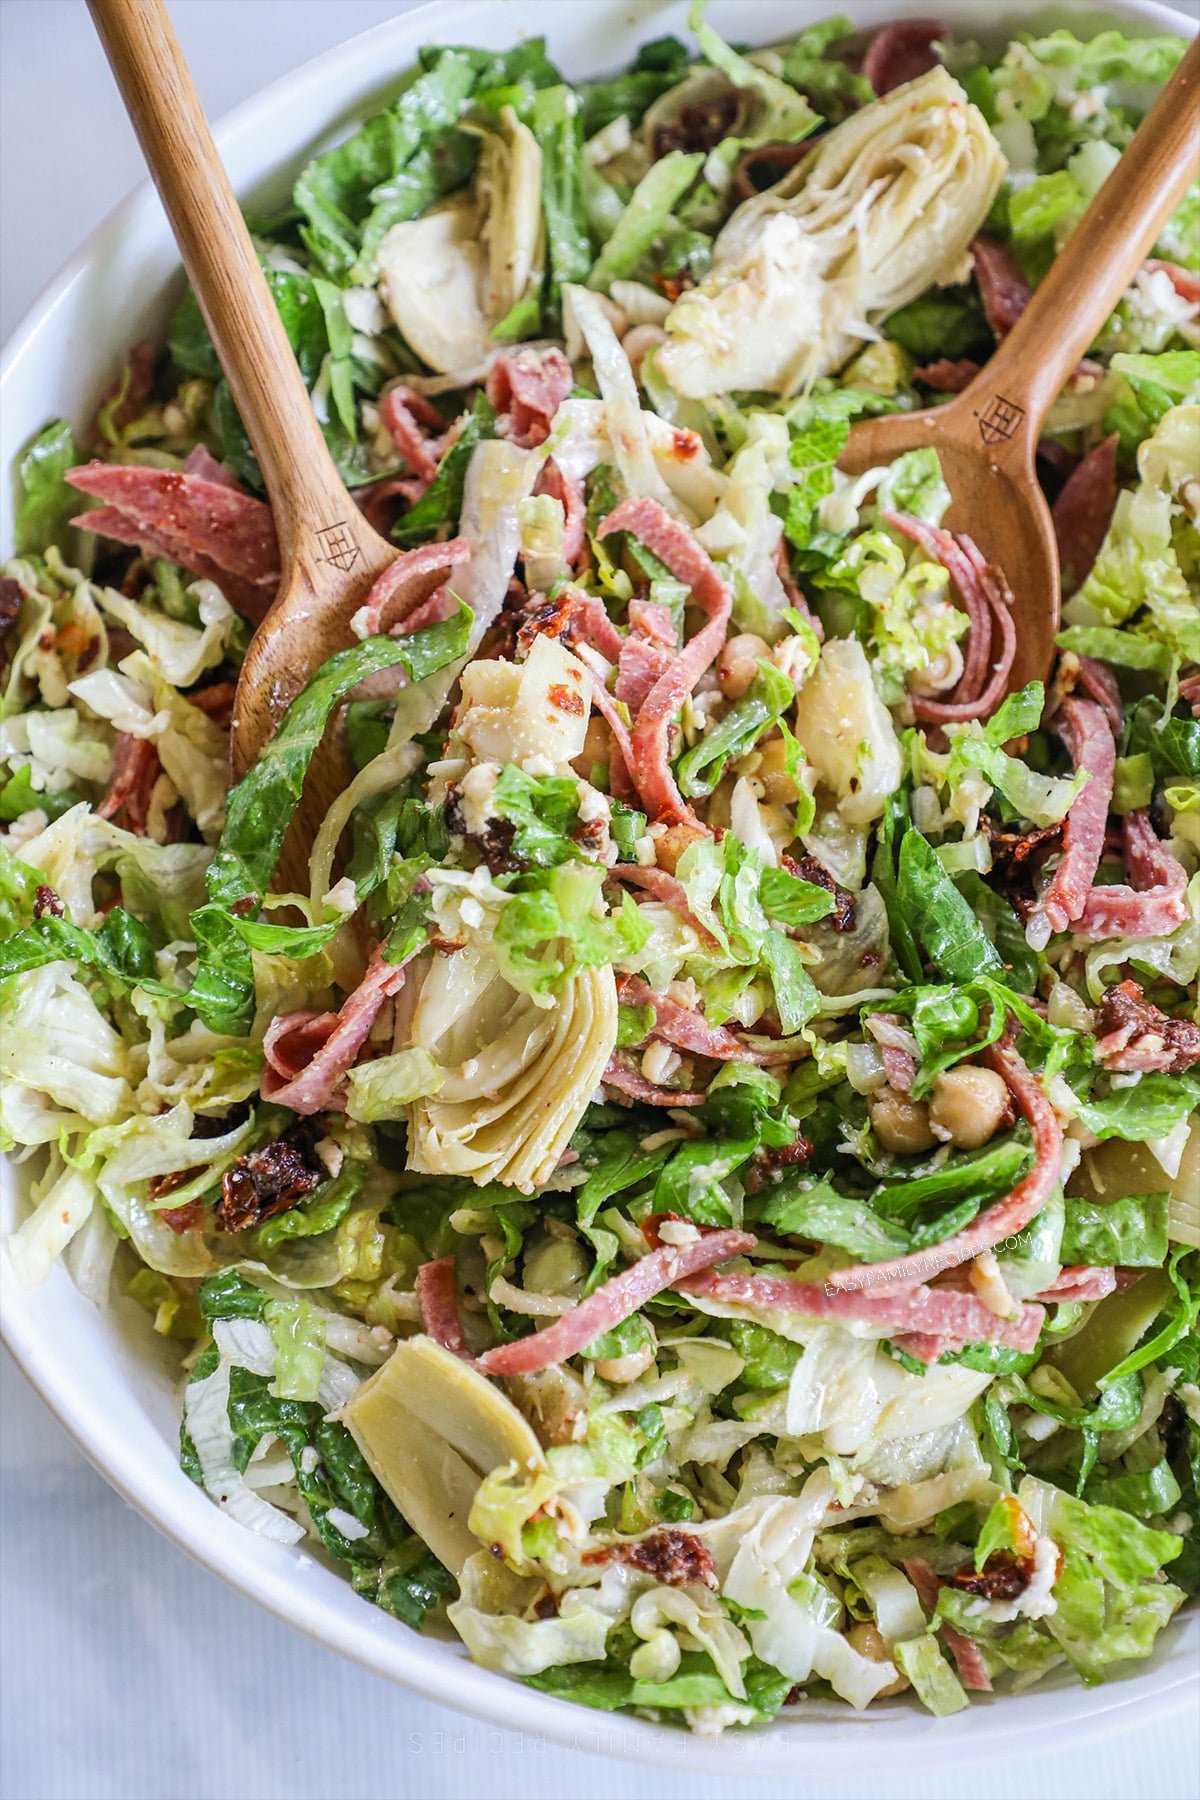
x=329 y=555
x=987 y=436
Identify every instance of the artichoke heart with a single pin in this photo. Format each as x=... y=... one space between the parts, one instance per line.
x=847 y=733
x=535 y=712
x=882 y=208
x=430 y=1428
x=449 y=277
x=519 y=1076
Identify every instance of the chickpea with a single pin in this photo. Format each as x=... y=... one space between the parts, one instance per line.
x=736 y=663
x=670 y=842
x=967 y=1106
x=780 y=788
x=866 y=1640
x=638 y=343
x=597 y=748
x=901 y=1125
x=621 y=1370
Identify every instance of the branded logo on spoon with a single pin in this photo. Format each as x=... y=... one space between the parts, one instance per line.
x=999 y=419
x=338 y=547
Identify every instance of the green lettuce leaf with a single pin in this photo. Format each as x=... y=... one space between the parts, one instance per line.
x=122 y=948
x=1130 y=1233
x=649 y=210
x=1150 y=1108
x=657 y=66
x=764 y=703
x=543 y=811
x=261 y=805
x=832 y=86
x=555 y=121
x=385 y=172
x=941 y=920
x=812 y=1208
x=937 y=1686
x=553 y=923
x=46 y=501
x=1111 y=1600
x=439 y=507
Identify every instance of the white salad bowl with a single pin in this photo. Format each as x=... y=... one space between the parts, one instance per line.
x=103 y=1372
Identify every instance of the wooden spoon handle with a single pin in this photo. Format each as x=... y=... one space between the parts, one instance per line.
x=1031 y=365
x=314 y=517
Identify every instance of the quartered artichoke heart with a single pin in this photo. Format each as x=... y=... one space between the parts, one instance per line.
x=518 y=1076
x=449 y=277
x=882 y=207
x=431 y=1428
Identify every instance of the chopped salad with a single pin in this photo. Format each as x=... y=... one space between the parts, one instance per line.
x=701 y=1192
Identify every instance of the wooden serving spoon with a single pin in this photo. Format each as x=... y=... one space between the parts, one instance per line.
x=329 y=555
x=987 y=436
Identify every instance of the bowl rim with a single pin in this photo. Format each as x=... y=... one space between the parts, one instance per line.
x=235 y=1556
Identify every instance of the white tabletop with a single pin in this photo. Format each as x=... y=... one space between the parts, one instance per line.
x=126 y=1673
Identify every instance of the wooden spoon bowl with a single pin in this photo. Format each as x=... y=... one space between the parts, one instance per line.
x=987 y=436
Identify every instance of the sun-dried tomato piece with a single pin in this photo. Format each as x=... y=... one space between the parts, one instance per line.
x=700 y=126
x=269 y=1180
x=810 y=868
x=1003 y=1578
x=676 y=1558
x=1133 y=1035
x=10 y=602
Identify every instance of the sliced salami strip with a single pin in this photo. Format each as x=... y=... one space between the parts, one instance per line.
x=648 y=650
x=632 y=1083
x=437 y=1296
x=668 y=889
x=939 y=1319
x=315 y=1085
x=618 y=1299
x=689 y=563
x=967 y=1658
x=1081 y=1284
x=687 y=1029
x=137 y=381
x=591 y=623
x=899 y=53
x=1089 y=740
x=947 y=376
x=417 y=429
x=407 y=583
x=1097 y=680
x=1083 y=512
x=136 y=768
x=1157 y=900
x=212 y=529
x=528 y=386
x=202 y=462
x=570 y=496
x=1002 y=287
x=987 y=602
